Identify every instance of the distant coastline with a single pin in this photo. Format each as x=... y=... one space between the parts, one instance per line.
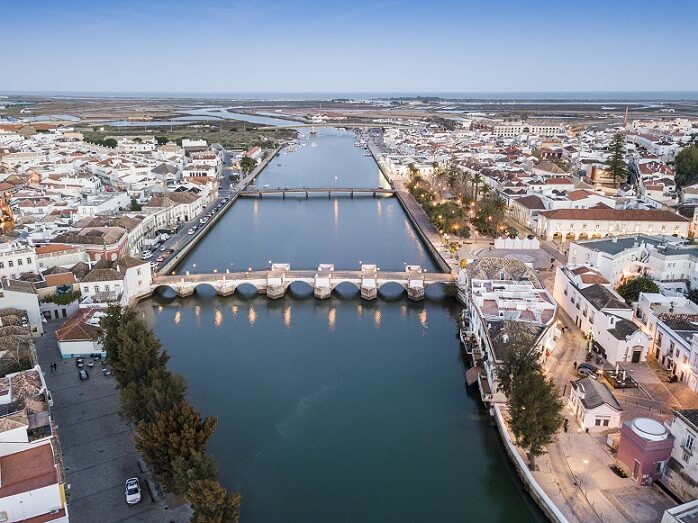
x=498 y=96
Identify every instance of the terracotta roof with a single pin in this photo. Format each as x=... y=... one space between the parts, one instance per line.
x=580 y=194
x=65 y=278
x=76 y=327
x=614 y=215
x=56 y=247
x=27 y=470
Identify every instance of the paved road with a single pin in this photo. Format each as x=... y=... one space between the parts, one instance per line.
x=97 y=446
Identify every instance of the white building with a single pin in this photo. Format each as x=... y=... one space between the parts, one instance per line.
x=672 y=323
x=600 y=313
x=121 y=281
x=682 y=473
x=21 y=295
x=78 y=336
x=16 y=259
x=594 y=406
x=507 y=304
x=582 y=224
x=102 y=204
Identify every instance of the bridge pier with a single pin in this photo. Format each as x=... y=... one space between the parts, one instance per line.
x=306 y=195
x=369 y=293
x=351 y=195
x=329 y=194
x=322 y=288
x=275 y=292
x=283 y=195
x=415 y=293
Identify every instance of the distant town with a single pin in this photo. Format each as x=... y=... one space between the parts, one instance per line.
x=564 y=231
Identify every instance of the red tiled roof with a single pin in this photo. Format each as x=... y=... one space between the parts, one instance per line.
x=27 y=470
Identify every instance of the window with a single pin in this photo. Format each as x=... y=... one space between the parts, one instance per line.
x=10 y=263
x=96 y=288
x=106 y=288
x=2 y=265
x=19 y=262
x=29 y=261
x=606 y=422
x=688 y=443
x=591 y=317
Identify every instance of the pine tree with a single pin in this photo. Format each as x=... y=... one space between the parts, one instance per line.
x=138 y=351
x=212 y=504
x=109 y=327
x=535 y=411
x=185 y=471
x=159 y=391
x=519 y=356
x=178 y=432
x=615 y=165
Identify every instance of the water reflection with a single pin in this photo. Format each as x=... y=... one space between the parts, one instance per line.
x=218 y=318
x=377 y=318
x=287 y=317
x=177 y=316
x=251 y=316
x=423 y=318
x=331 y=318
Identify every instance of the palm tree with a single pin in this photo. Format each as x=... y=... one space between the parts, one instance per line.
x=477 y=180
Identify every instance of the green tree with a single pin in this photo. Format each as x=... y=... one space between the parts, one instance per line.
x=109 y=142
x=108 y=331
x=138 y=351
x=135 y=206
x=535 y=411
x=519 y=356
x=198 y=466
x=212 y=504
x=686 y=166
x=247 y=164
x=178 y=432
x=158 y=391
x=615 y=165
x=630 y=290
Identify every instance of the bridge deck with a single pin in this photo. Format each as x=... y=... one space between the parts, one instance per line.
x=175 y=279
x=299 y=190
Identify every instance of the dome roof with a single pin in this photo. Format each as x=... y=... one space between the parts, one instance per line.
x=649 y=429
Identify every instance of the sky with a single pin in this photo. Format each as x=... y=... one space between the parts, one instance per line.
x=389 y=46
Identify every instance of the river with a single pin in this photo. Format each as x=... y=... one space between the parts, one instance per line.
x=337 y=410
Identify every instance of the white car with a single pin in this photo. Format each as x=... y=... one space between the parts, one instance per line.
x=133 y=491
x=146 y=255
x=190 y=232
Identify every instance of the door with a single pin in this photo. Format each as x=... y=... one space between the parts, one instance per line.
x=637 y=354
x=636 y=469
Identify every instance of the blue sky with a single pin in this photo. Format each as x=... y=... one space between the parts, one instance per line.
x=360 y=46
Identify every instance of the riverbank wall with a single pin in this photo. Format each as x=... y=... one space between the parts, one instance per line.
x=529 y=482
x=420 y=221
x=182 y=253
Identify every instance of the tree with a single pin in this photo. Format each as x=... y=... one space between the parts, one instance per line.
x=185 y=471
x=686 y=166
x=138 y=351
x=535 y=411
x=178 y=432
x=630 y=290
x=615 y=165
x=519 y=356
x=135 y=206
x=247 y=164
x=108 y=332
x=693 y=295
x=109 y=142
x=158 y=391
x=212 y=504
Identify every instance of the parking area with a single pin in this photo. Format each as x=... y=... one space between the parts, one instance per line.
x=97 y=446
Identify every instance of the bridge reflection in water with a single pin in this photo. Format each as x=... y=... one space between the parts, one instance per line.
x=323 y=281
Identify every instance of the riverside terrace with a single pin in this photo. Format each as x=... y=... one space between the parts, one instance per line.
x=324 y=280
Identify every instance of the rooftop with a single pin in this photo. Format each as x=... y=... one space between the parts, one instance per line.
x=27 y=470
x=593 y=394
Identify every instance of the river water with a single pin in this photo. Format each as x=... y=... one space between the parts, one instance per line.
x=338 y=410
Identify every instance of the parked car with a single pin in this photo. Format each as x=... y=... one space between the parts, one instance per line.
x=146 y=255
x=79 y=362
x=169 y=252
x=583 y=372
x=160 y=259
x=589 y=366
x=133 y=491
x=163 y=248
x=83 y=375
x=191 y=231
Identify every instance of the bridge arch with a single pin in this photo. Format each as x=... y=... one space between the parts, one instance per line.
x=165 y=291
x=391 y=290
x=247 y=290
x=205 y=290
x=300 y=289
x=346 y=289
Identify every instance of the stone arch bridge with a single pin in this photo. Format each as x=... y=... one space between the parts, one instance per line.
x=324 y=280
